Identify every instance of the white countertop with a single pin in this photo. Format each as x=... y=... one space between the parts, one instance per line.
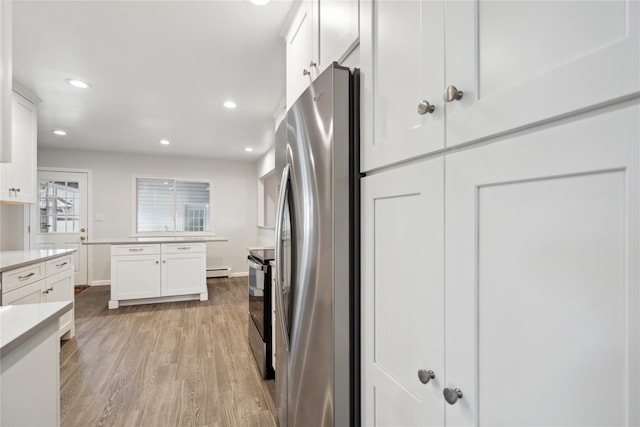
x=139 y=240
x=18 y=323
x=14 y=259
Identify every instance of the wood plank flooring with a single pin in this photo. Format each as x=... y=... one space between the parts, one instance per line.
x=172 y=364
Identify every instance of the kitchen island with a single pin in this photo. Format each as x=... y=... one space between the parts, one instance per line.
x=30 y=363
x=148 y=270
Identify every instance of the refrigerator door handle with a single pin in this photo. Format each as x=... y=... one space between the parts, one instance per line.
x=284 y=186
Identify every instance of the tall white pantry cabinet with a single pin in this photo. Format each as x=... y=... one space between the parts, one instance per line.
x=501 y=278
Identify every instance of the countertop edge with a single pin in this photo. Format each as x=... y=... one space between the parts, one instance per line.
x=34 y=329
x=63 y=252
x=159 y=241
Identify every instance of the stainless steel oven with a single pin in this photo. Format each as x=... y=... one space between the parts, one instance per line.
x=260 y=340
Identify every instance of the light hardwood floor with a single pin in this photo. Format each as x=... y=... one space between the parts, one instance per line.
x=173 y=364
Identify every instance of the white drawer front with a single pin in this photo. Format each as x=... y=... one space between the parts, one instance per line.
x=59 y=264
x=179 y=248
x=135 y=249
x=16 y=278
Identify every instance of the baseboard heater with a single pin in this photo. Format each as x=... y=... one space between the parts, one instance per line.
x=218 y=272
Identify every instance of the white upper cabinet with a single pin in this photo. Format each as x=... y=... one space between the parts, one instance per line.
x=322 y=31
x=402 y=56
x=522 y=62
x=512 y=64
x=18 y=183
x=337 y=30
x=6 y=69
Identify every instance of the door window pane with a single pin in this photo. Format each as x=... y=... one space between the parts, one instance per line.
x=59 y=206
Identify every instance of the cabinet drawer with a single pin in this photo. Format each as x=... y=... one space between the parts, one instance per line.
x=135 y=250
x=57 y=265
x=16 y=278
x=28 y=294
x=179 y=248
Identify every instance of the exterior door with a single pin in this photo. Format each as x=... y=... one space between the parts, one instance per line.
x=542 y=276
x=522 y=62
x=403 y=296
x=59 y=220
x=402 y=53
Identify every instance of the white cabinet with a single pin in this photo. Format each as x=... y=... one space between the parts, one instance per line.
x=145 y=273
x=48 y=281
x=511 y=74
x=541 y=236
x=402 y=295
x=322 y=31
x=6 y=77
x=18 y=182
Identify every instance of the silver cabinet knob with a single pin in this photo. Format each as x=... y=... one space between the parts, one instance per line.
x=451 y=395
x=425 y=108
x=452 y=94
x=313 y=64
x=425 y=376
x=306 y=72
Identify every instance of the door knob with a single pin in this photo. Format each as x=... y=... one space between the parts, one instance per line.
x=452 y=94
x=82 y=230
x=425 y=376
x=306 y=72
x=83 y=238
x=425 y=108
x=451 y=395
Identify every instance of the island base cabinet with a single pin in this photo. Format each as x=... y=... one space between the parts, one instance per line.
x=30 y=381
x=59 y=287
x=147 y=273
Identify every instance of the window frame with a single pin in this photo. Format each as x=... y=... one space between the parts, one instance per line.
x=134 y=225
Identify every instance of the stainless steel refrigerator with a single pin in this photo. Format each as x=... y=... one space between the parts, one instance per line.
x=317 y=255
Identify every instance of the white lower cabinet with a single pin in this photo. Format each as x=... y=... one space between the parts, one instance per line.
x=148 y=273
x=538 y=289
x=48 y=281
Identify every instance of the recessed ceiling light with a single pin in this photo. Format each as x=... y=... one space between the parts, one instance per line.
x=59 y=132
x=260 y=2
x=248 y=149
x=165 y=142
x=230 y=104
x=78 y=83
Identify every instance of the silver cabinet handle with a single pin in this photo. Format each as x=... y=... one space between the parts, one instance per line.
x=184 y=248
x=425 y=376
x=17 y=190
x=313 y=63
x=62 y=265
x=425 y=108
x=451 y=395
x=452 y=94
x=27 y=276
x=136 y=250
x=306 y=72
x=46 y=291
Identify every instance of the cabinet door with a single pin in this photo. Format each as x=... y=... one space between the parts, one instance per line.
x=29 y=294
x=522 y=62
x=184 y=274
x=402 y=295
x=402 y=65
x=135 y=276
x=542 y=276
x=20 y=174
x=6 y=73
x=59 y=287
x=338 y=30
x=299 y=52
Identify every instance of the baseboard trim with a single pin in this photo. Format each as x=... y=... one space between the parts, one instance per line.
x=241 y=274
x=101 y=283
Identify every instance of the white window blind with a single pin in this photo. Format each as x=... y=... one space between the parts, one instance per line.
x=169 y=205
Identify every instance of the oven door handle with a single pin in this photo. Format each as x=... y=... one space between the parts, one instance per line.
x=284 y=186
x=255 y=265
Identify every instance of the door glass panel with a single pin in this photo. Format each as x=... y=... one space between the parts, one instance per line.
x=59 y=206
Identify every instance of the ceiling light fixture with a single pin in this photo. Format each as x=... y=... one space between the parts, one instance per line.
x=78 y=83
x=165 y=142
x=248 y=149
x=260 y=2
x=59 y=132
x=230 y=104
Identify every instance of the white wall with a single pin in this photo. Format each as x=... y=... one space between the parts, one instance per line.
x=112 y=194
x=266 y=197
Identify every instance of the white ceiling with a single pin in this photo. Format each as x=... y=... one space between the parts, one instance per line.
x=159 y=69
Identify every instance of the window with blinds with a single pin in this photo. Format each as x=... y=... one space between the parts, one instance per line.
x=169 y=205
